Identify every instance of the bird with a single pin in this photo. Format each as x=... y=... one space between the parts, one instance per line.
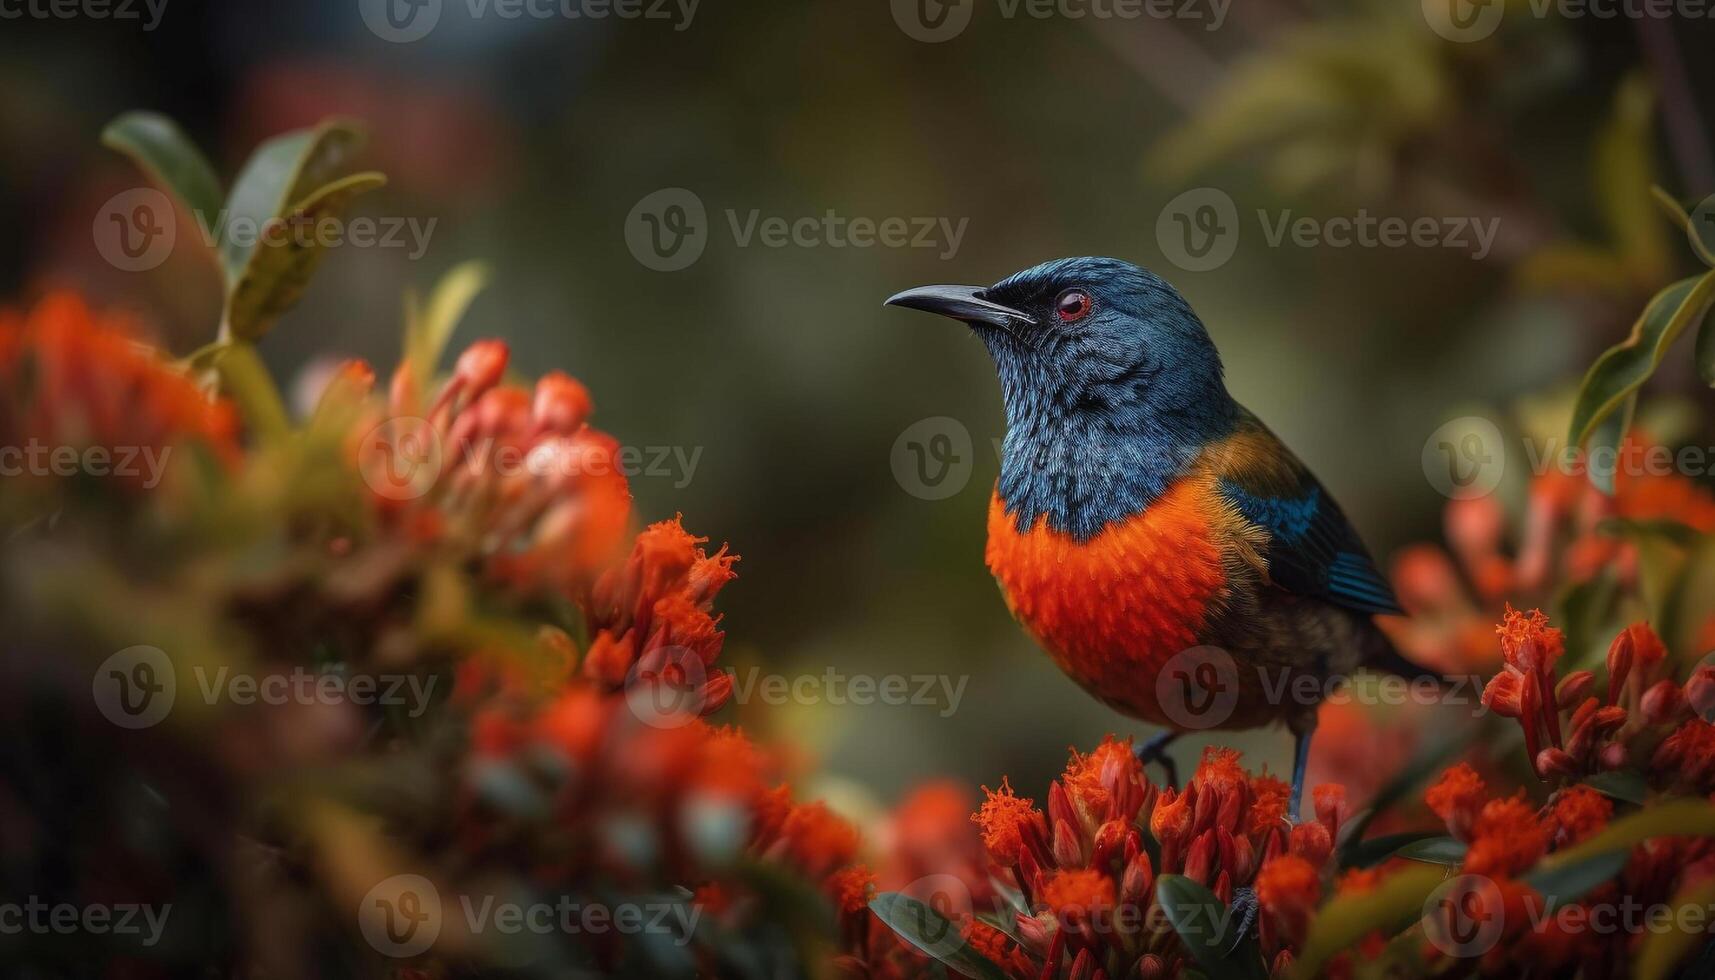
x=1165 y=548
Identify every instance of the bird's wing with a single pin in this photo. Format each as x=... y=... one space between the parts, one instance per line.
x=1311 y=548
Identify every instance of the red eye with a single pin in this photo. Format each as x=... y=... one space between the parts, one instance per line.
x=1072 y=306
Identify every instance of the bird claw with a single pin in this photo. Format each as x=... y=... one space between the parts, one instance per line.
x=1245 y=906
x=1155 y=750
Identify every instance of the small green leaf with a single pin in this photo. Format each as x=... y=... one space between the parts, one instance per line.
x=1207 y=927
x=1624 y=170
x=1435 y=850
x=244 y=377
x=1369 y=853
x=284 y=170
x=931 y=932
x=287 y=256
x=1704 y=353
x=1671 y=207
x=1623 y=368
x=1625 y=785
x=1636 y=529
x=428 y=331
x=169 y=156
x=1566 y=881
x=1343 y=922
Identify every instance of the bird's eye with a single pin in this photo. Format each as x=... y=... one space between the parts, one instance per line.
x=1072 y=305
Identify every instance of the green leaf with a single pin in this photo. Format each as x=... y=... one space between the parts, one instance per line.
x=1625 y=785
x=163 y=151
x=244 y=377
x=428 y=331
x=1624 y=174
x=1704 y=353
x=1368 y=853
x=929 y=931
x=287 y=256
x=1623 y=368
x=1207 y=927
x=1670 y=206
x=281 y=171
x=1435 y=850
x=1343 y=922
x=1567 y=881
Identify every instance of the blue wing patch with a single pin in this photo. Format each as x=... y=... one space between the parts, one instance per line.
x=1312 y=548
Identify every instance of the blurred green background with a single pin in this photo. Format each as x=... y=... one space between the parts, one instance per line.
x=529 y=141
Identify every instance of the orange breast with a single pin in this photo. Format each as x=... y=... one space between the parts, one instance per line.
x=1111 y=611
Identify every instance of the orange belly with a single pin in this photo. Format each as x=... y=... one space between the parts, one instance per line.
x=1112 y=611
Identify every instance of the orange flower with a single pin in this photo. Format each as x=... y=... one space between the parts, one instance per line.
x=1577 y=813
x=1007 y=822
x=1078 y=892
x=851 y=888
x=1288 y=888
x=1528 y=642
x=74 y=380
x=1506 y=838
x=1456 y=798
x=1269 y=797
x=1083 y=778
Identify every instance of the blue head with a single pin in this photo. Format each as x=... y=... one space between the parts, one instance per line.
x=1112 y=386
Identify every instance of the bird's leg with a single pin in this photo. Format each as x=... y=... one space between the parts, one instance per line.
x=1155 y=750
x=1300 y=762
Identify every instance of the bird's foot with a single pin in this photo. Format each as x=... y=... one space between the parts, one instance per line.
x=1244 y=914
x=1155 y=750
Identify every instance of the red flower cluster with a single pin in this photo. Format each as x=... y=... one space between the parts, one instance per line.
x=1088 y=880
x=515 y=475
x=72 y=382
x=1642 y=718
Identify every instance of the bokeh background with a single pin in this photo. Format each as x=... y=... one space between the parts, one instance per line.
x=529 y=141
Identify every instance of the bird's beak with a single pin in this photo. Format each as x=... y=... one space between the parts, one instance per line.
x=962 y=303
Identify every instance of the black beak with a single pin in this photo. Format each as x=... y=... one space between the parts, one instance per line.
x=962 y=303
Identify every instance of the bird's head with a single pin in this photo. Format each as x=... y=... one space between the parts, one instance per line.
x=1094 y=340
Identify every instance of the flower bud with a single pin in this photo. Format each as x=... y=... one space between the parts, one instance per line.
x=1574 y=688
x=1555 y=762
x=1619 y=664
x=562 y=403
x=1068 y=849
x=1662 y=703
x=481 y=366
